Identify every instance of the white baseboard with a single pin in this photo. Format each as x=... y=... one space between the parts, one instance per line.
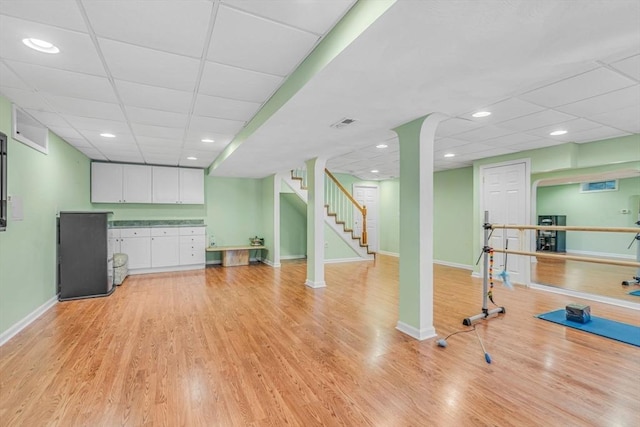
x=601 y=254
x=292 y=256
x=166 y=269
x=453 y=264
x=26 y=321
x=395 y=254
x=312 y=284
x=339 y=260
x=214 y=262
x=415 y=332
x=271 y=263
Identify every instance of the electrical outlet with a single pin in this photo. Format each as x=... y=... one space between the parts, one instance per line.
x=625 y=211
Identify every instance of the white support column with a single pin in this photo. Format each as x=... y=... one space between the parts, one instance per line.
x=315 y=223
x=416 y=227
x=277 y=184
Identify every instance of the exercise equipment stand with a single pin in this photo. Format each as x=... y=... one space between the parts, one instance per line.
x=486 y=312
x=636 y=278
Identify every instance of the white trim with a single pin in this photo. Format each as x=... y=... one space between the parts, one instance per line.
x=453 y=264
x=476 y=274
x=166 y=269
x=339 y=260
x=214 y=262
x=315 y=285
x=271 y=263
x=590 y=297
x=602 y=254
x=415 y=332
x=395 y=254
x=27 y=320
x=292 y=256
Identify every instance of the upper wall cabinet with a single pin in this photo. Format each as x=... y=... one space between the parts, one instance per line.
x=178 y=185
x=118 y=183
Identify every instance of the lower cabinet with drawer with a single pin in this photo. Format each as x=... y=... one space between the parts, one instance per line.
x=160 y=249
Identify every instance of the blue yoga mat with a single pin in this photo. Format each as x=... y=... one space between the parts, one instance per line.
x=606 y=328
x=635 y=293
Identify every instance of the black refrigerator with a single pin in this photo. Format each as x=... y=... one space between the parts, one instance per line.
x=84 y=270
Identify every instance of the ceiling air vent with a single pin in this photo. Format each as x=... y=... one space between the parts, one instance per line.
x=345 y=121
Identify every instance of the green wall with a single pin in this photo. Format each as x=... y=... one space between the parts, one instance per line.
x=453 y=216
x=593 y=209
x=293 y=226
x=47 y=184
x=390 y=216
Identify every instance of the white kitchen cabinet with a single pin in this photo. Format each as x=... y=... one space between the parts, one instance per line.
x=166 y=188
x=191 y=186
x=192 y=245
x=165 y=247
x=119 y=183
x=136 y=243
x=106 y=183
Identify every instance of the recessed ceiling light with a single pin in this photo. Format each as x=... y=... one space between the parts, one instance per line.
x=558 y=132
x=41 y=45
x=481 y=114
x=374 y=171
x=207 y=140
x=381 y=146
x=192 y=158
x=107 y=135
x=449 y=155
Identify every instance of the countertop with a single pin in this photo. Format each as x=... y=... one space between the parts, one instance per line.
x=165 y=223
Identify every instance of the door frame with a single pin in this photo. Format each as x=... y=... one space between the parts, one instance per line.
x=526 y=276
x=377 y=187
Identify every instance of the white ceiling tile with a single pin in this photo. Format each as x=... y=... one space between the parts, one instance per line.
x=152 y=67
x=77 y=52
x=158 y=98
x=599 y=133
x=158 y=131
x=225 y=108
x=615 y=100
x=92 y=153
x=107 y=147
x=504 y=110
x=317 y=16
x=629 y=66
x=483 y=133
x=536 y=120
x=572 y=126
x=65 y=132
x=454 y=126
x=78 y=142
x=532 y=145
x=592 y=83
x=60 y=13
x=8 y=79
x=195 y=137
x=268 y=47
x=96 y=125
x=66 y=83
x=25 y=98
x=129 y=157
x=158 y=145
x=148 y=116
x=626 y=119
x=447 y=143
x=172 y=26
x=507 y=140
x=222 y=126
x=236 y=83
x=85 y=107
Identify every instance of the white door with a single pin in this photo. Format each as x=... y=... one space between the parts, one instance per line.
x=191 y=186
x=367 y=196
x=505 y=196
x=139 y=251
x=136 y=184
x=106 y=183
x=165 y=185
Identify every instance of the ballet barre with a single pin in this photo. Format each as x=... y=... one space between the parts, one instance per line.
x=563 y=228
x=570 y=257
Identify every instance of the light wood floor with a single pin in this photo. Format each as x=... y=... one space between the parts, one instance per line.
x=254 y=346
x=597 y=279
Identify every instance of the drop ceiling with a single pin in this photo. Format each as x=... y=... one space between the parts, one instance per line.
x=163 y=75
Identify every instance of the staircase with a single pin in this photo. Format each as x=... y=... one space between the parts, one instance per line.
x=339 y=208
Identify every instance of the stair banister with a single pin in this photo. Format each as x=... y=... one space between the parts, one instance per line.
x=362 y=209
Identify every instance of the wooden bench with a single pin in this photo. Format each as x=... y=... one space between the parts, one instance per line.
x=235 y=255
